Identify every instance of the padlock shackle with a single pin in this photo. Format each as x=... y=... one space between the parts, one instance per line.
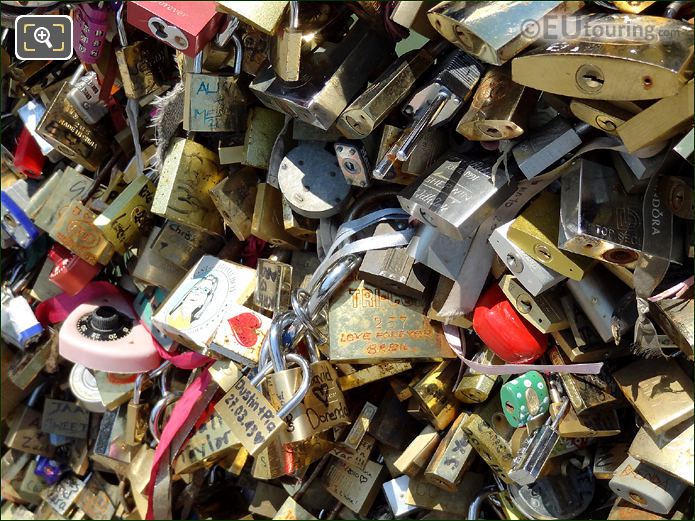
x=276 y=344
x=156 y=414
x=137 y=387
x=477 y=503
x=120 y=24
x=294 y=15
x=303 y=386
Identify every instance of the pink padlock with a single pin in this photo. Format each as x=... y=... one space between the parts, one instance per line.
x=104 y=334
x=71 y=273
x=91 y=23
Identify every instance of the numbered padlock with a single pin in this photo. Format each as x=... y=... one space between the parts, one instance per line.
x=89 y=34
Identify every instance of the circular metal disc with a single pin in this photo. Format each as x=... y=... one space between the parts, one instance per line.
x=311 y=181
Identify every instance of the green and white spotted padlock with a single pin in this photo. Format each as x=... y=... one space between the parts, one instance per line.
x=524 y=398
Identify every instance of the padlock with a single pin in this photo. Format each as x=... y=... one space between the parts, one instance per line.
x=536 y=232
x=393 y=269
x=646 y=384
x=499 y=109
x=31 y=115
x=673 y=317
x=598 y=67
x=334 y=75
x=357 y=490
x=533 y=275
x=167 y=398
x=444 y=503
x=213 y=103
x=474 y=387
x=55 y=195
x=664 y=119
x=153 y=269
x=273 y=284
x=684 y=148
x=264 y=18
x=646 y=486
x=188 y=174
x=61 y=496
x=128 y=216
x=451 y=459
x=395 y=492
x=634 y=172
x=546 y=146
x=110 y=449
x=235 y=197
x=534 y=453
x=25 y=432
x=597 y=217
x=368 y=324
x=64 y=418
x=96 y=332
x=358 y=431
x=19 y=324
x=353 y=162
x=388 y=91
x=250 y=416
x=263 y=126
x=95 y=499
x=240 y=335
x=145 y=65
x=62 y=127
x=632 y=7
x=439 y=251
x=434 y=105
x=267 y=223
x=75 y=230
x=89 y=35
x=209 y=443
x=587 y=392
x=602 y=115
x=84 y=96
x=185 y=26
x=297 y=225
x=15 y=221
x=476 y=27
x=433 y=394
x=193 y=311
x=24 y=370
x=183 y=245
x=457 y=196
x=559 y=496
x=83 y=386
x=608 y=457
x=489 y=444
x=542 y=311
x=28 y=158
x=524 y=398
x=414 y=457
x=136 y=414
x=286 y=47
x=302 y=181
x=504 y=331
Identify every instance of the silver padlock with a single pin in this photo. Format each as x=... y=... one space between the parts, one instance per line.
x=535 y=277
x=438 y=251
x=84 y=96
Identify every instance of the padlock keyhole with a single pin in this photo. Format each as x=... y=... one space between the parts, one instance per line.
x=159 y=29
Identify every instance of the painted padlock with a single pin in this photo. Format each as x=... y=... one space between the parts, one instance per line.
x=505 y=331
x=524 y=398
x=71 y=273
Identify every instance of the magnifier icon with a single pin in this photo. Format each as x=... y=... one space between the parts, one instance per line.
x=43 y=35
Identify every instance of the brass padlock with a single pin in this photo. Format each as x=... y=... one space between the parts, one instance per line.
x=76 y=231
x=182 y=245
x=541 y=311
x=286 y=47
x=600 y=67
x=63 y=128
x=356 y=489
x=190 y=171
x=414 y=457
x=499 y=109
x=474 y=387
x=267 y=223
x=452 y=458
x=273 y=284
x=298 y=226
x=535 y=231
x=235 y=197
x=136 y=414
x=213 y=103
x=128 y=216
x=265 y=18
x=434 y=394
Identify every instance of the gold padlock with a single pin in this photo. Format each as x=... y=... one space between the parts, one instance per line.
x=452 y=458
x=75 y=230
x=235 y=197
x=189 y=173
x=267 y=223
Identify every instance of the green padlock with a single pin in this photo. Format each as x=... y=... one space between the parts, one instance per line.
x=524 y=398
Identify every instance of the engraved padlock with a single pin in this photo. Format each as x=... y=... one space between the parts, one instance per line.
x=212 y=102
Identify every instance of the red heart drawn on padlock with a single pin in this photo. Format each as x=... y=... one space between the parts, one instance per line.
x=244 y=326
x=505 y=331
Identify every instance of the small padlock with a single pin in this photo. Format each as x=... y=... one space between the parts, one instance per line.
x=15 y=221
x=286 y=47
x=84 y=96
x=28 y=158
x=474 y=387
x=267 y=223
x=524 y=398
x=273 y=283
x=89 y=35
x=214 y=103
x=136 y=414
x=70 y=273
x=75 y=230
x=235 y=197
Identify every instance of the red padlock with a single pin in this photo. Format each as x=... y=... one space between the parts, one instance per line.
x=185 y=26
x=71 y=273
x=505 y=331
x=28 y=158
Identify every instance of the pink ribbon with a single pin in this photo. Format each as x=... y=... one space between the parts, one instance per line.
x=458 y=346
x=180 y=417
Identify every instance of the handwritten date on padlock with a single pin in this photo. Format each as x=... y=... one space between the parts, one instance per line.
x=504 y=331
x=249 y=416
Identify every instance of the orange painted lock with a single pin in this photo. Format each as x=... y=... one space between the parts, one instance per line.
x=504 y=331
